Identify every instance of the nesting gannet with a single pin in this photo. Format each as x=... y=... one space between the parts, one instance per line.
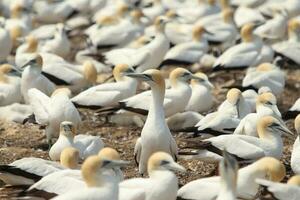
x=27 y=171
x=155 y=135
x=5 y=41
x=189 y=52
x=32 y=78
x=146 y=57
x=241 y=55
x=108 y=94
x=160 y=169
x=201 y=92
x=15 y=112
x=245 y=147
x=26 y=50
x=59 y=45
x=87 y=145
x=10 y=86
x=295 y=158
x=281 y=191
x=208 y=188
x=51 y=111
x=266 y=105
x=293 y=111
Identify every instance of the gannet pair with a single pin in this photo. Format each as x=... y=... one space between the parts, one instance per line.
x=87 y=145
x=246 y=187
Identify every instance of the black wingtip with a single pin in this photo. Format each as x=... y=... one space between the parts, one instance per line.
x=91 y=107
x=290 y=115
x=30 y=119
x=241 y=88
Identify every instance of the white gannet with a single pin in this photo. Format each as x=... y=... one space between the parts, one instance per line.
x=155 y=135
x=10 y=86
x=32 y=78
x=108 y=94
x=281 y=191
x=292 y=7
x=295 y=158
x=26 y=50
x=27 y=171
x=189 y=52
x=155 y=10
x=183 y=120
x=87 y=145
x=293 y=111
x=241 y=55
x=266 y=105
x=15 y=112
x=160 y=169
x=244 y=15
x=146 y=57
x=5 y=41
x=51 y=111
x=208 y=188
x=246 y=147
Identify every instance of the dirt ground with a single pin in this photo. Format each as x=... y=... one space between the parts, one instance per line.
x=18 y=141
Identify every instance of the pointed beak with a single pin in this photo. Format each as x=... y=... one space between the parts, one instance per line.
x=176 y=167
x=119 y=163
x=275 y=109
x=207 y=32
x=140 y=76
x=26 y=64
x=209 y=84
x=282 y=128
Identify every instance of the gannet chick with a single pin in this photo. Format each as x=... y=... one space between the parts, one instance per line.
x=5 y=41
x=295 y=158
x=208 y=188
x=32 y=78
x=160 y=169
x=266 y=105
x=26 y=50
x=245 y=147
x=281 y=191
x=27 y=171
x=51 y=111
x=189 y=52
x=155 y=135
x=10 y=86
x=108 y=94
x=293 y=111
x=241 y=55
x=87 y=145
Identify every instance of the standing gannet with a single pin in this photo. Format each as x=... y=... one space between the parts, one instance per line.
x=27 y=171
x=87 y=145
x=10 y=86
x=241 y=55
x=266 y=105
x=108 y=94
x=5 y=41
x=160 y=169
x=146 y=57
x=155 y=135
x=26 y=50
x=51 y=111
x=295 y=158
x=189 y=52
x=246 y=147
x=209 y=188
x=32 y=78
x=293 y=111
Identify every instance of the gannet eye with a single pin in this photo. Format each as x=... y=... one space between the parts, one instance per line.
x=106 y=162
x=164 y=162
x=269 y=103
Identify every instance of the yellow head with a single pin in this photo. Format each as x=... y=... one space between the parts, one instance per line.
x=293 y=27
x=109 y=153
x=107 y=20
x=225 y=4
x=198 y=32
x=120 y=71
x=15 y=33
x=227 y=15
x=69 y=158
x=247 y=32
x=295 y=180
x=122 y=9
x=137 y=15
x=211 y=2
x=202 y=79
x=179 y=75
x=264 y=67
x=266 y=99
x=4 y=70
x=268 y=126
x=67 y=129
x=160 y=23
x=171 y=14
x=32 y=43
x=65 y=91
x=233 y=96
x=16 y=10
x=89 y=72
x=274 y=169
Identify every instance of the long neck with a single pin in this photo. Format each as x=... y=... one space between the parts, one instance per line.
x=156 y=109
x=228 y=189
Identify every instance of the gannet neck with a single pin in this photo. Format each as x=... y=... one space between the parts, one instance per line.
x=90 y=72
x=4 y=69
x=92 y=173
x=32 y=44
x=156 y=109
x=69 y=158
x=15 y=33
x=227 y=15
x=247 y=33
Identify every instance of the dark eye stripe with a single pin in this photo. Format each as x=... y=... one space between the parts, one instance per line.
x=164 y=162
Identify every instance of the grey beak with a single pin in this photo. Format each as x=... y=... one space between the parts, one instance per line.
x=140 y=76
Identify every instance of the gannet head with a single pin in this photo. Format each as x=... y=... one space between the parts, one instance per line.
x=36 y=61
x=293 y=27
x=227 y=15
x=198 y=31
x=295 y=180
x=171 y=14
x=181 y=75
x=106 y=20
x=160 y=23
x=136 y=15
x=109 y=153
x=93 y=167
x=67 y=129
x=122 y=9
x=247 y=32
x=228 y=168
x=4 y=70
x=297 y=124
x=274 y=169
x=32 y=43
x=264 y=89
x=64 y=91
x=164 y=162
x=15 y=32
x=69 y=158
x=121 y=70
x=89 y=72
x=264 y=67
x=269 y=125
x=16 y=10
x=202 y=79
x=267 y=99
x=233 y=96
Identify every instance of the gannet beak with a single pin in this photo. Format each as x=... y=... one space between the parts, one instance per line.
x=284 y=130
x=116 y=163
x=257 y=24
x=207 y=82
x=26 y=64
x=208 y=32
x=141 y=76
x=176 y=167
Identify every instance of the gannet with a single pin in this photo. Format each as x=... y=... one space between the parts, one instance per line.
x=183 y=120
x=15 y=112
x=293 y=111
x=32 y=78
x=155 y=135
x=201 y=92
x=147 y=57
x=10 y=86
x=244 y=15
x=189 y=52
x=27 y=171
x=295 y=158
x=244 y=147
x=51 y=111
x=241 y=55
x=266 y=105
x=292 y=7
x=281 y=191
x=26 y=50
x=108 y=94
x=5 y=41
x=208 y=188
x=160 y=167
x=87 y=145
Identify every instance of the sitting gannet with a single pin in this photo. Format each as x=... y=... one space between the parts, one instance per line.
x=295 y=158
x=26 y=51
